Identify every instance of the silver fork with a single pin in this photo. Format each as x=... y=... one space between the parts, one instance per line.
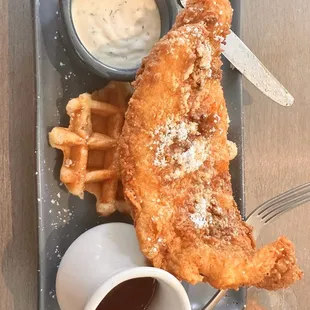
x=265 y=214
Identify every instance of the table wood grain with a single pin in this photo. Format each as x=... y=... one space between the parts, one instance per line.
x=18 y=255
x=277 y=139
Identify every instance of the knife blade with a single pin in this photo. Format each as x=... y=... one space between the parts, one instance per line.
x=243 y=59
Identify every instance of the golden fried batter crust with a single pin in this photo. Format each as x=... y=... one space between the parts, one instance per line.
x=175 y=163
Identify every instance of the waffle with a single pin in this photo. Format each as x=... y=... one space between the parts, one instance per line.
x=89 y=146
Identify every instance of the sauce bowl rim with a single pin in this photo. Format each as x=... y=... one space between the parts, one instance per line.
x=98 y=67
x=135 y=273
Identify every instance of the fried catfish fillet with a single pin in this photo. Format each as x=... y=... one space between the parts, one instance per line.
x=175 y=163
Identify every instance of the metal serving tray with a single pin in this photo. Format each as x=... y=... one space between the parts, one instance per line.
x=63 y=217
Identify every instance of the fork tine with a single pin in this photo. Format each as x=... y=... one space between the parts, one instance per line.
x=289 y=197
x=286 y=203
x=286 y=195
x=286 y=207
x=279 y=199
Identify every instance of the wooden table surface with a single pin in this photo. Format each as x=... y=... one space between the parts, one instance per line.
x=277 y=140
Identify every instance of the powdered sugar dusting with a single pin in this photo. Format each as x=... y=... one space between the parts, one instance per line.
x=201 y=217
x=191 y=159
x=180 y=144
x=205 y=52
x=168 y=135
x=212 y=218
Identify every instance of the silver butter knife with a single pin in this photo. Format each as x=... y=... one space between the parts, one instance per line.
x=241 y=57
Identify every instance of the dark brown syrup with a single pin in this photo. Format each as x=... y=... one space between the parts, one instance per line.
x=134 y=294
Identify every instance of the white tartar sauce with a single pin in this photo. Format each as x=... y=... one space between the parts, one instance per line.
x=119 y=33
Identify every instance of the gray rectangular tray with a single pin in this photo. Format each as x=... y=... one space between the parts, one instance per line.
x=63 y=217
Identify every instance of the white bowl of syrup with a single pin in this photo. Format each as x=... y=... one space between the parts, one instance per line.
x=104 y=270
